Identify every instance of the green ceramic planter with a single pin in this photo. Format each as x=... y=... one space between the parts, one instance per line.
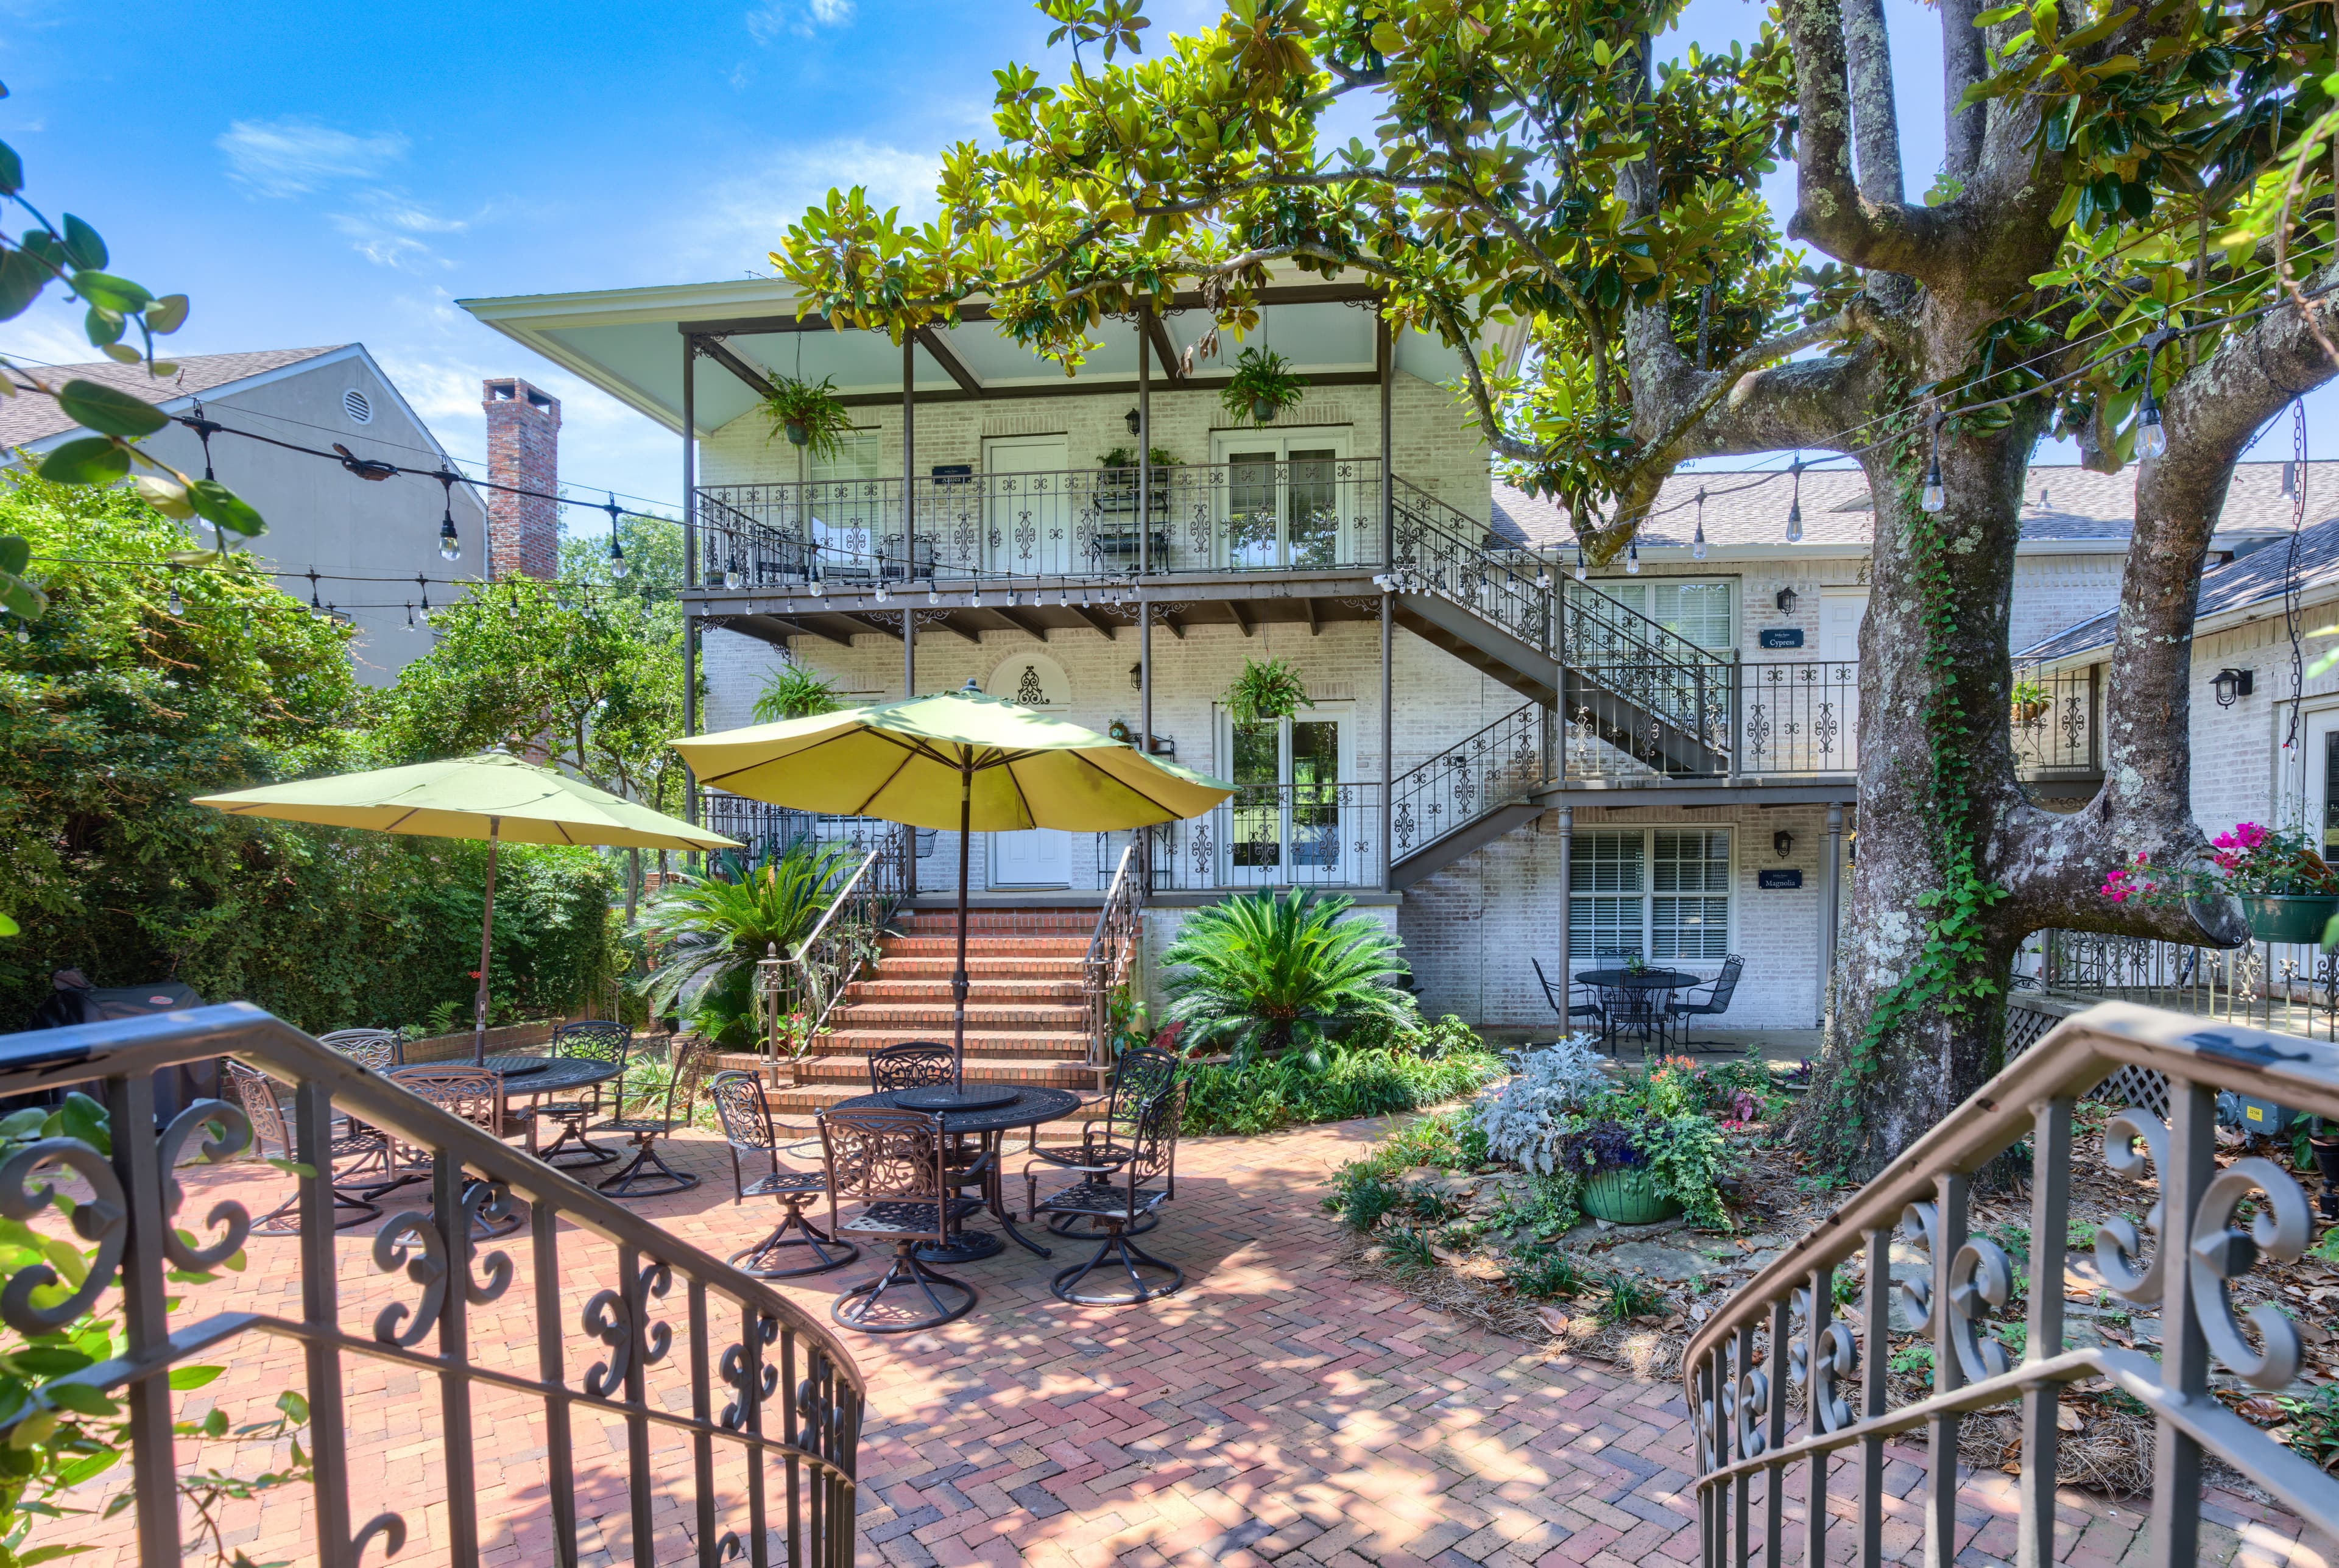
x=1627 y=1195
x=2288 y=917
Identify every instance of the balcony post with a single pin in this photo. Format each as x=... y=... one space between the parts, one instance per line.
x=1144 y=526
x=1566 y=908
x=1737 y=701
x=909 y=523
x=1384 y=352
x=690 y=572
x=1388 y=744
x=2095 y=719
x=1830 y=894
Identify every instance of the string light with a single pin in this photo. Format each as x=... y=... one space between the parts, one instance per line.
x=177 y=608
x=1543 y=574
x=409 y=619
x=617 y=565
x=1935 y=497
x=934 y=592
x=425 y=583
x=883 y=593
x=450 y=543
x=511 y=609
x=1582 y=570
x=1697 y=539
x=315 y=608
x=1632 y=559
x=731 y=575
x=1795 y=506
x=2151 y=440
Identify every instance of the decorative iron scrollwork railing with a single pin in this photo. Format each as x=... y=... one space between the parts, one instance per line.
x=1467 y=780
x=1800 y=716
x=770 y=830
x=1757 y=1442
x=686 y=1357
x=1112 y=946
x=2054 y=721
x=2289 y=986
x=800 y=988
x=1273 y=835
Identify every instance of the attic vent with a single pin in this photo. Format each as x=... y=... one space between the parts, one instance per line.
x=354 y=404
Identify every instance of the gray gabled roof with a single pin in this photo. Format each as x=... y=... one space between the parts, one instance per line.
x=27 y=418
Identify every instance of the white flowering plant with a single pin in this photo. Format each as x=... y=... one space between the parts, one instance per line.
x=1526 y=1118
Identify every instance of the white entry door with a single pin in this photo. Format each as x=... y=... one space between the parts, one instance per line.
x=2320 y=760
x=1283 y=496
x=1027 y=515
x=1835 y=719
x=1039 y=857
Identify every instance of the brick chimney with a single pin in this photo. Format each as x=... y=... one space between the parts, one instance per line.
x=523 y=450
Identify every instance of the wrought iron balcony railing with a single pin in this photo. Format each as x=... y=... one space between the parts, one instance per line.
x=2290 y=987
x=1469 y=779
x=1780 y=1385
x=2055 y=721
x=1273 y=835
x=684 y=1380
x=770 y=830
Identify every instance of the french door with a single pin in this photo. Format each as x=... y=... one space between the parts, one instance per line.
x=1280 y=506
x=1027 y=515
x=1285 y=819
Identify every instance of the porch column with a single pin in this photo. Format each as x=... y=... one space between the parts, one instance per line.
x=1385 y=356
x=1385 y=353
x=1566 y=908
x=1830 y=880
x=909 y=514
x=689 y=563
x=1144 y=526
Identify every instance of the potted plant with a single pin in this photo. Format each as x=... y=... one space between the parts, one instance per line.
x=1263 y=385
x=1267 y=689
x=1630 y=1151
x=1116 y=484
x=793 y=692
x=808 y=414
x=2286 y=890
x=2029 y=702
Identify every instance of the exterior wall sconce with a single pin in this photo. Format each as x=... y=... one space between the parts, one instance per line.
x=1783 y=841
x=1785 y=600
x=1131 y=420
x=2231 y=686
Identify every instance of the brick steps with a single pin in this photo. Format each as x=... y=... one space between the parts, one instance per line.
x=925 y=1018
x=981 y=992
x=1070 y=1044
x=1043 y=945
x=1051 y=1070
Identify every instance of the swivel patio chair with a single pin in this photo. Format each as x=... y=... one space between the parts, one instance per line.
x=379 y=1049
x=1118 y=1198
x=1108 y=1143
x=920 y=1064
x=648 y=1174
x=593 y=1040
x=1717 y=994
x=1562 y=1000
x=472 y=1094
x=796 y=1246
x=256 y=1092
x=895 y=1164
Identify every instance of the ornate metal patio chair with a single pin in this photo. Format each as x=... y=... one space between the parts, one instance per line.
x=593 y=1040
x=1716 y=1000
x=256 y=1092
x=1562 y=999
x=796 y=1246
x=919 y=1064
x=648 y=1174
x=472 y=1094
x=379 y=1049
x=1108 y=1142
x=895 y=1165
x=1118 y=1198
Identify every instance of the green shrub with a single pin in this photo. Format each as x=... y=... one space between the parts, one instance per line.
x=714 y=929
x=2313 y=1424
x=1408 y=1250
x=1545 y=1275
x=1622 y=1297
x=1361 y=1199
x=1265 y=1095
x=1267 y=972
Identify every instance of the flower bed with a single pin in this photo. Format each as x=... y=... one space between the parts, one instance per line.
x=1408 y=1070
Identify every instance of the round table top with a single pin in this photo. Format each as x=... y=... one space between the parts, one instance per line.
x=551 y=1074
x=1639 y=980
x=1031 y=1107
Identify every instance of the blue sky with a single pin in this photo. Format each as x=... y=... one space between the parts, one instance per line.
x=320 y=174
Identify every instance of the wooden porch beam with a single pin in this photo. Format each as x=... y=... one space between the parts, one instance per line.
x=949 y=622
x=1177 y=627
x=1315 y=627
x=1234 y=608
x=1096 y=622
x=874 y=622
x=943 y=354
x=1024 y=623
x=1164 y=350
x=720 y=353
x=782 y=624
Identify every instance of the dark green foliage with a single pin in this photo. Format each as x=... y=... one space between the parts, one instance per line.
x=1268 y=972
x=1362 y=1202
x=1623 y=1298
x=1266 y=1095
x=2313 y=1424
x=713 y=931
x=1407 y=1250
x=1545 y=1275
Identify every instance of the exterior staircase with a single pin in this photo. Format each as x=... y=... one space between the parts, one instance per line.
x=1027 y=1007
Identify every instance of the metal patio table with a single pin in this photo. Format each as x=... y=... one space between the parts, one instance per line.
x=534 y=1077
x=1651 y=990
x=1029 y=1107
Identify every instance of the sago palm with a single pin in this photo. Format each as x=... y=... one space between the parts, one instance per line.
x=1263 y=971
x=710 y=931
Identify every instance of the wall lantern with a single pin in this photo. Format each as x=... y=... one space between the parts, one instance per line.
x=2231 y=686
x=1783 y=841
x=1132 y=421
x=1785 y=600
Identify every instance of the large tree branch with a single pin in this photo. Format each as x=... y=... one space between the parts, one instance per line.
x=1831 y=212
x=1964 y=64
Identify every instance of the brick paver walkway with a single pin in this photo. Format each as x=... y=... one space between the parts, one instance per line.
x=1272 y=1411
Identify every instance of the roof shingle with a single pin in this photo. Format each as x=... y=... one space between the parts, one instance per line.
x=26 y=418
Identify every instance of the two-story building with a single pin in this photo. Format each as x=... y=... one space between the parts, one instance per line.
x=1507 y=757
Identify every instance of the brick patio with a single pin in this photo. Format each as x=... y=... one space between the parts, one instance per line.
x=1272 y=1411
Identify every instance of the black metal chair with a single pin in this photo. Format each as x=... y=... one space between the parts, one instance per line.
x=1717 y=993
x=379 y=1049
x=895 y=1164
x=1118 y=1198
x=592 y=1040
x=473 y=1094
x=748 y=1129
x=1140 y=1074
x=1562 y=999
x=648 y=1174
x=920 y=1064
x=355 y=1142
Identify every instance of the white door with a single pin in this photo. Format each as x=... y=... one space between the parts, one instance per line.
x=1282 y=500
x=1027 y=519
x=1289 y=823
x=1038 y=857
x=2321 y=800
x=1834 y=722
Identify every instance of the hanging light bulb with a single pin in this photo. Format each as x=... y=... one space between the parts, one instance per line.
x=24 y=633
x=1632 y=559
x=410 y=618
x=1543 y=574
x=883 y=593
x=974 y=601
x=1063 y=597
x=934 y=594
x=819 y=587
x=177 y=608
x=315 y=607
x=2151 y=440
x=451 y=544
x=1014 y=598
x=511 y=607
x=617 y=563
x=733 y=578
x=425 y=583
x=1934 y=497
x=1582 y=570
x=1795 y=506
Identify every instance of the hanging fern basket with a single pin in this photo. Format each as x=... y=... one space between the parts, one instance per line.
x=1263 y=409
x=795 y=432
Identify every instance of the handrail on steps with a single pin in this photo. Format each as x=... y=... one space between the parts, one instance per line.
x=1112 y=944
x=799 y=958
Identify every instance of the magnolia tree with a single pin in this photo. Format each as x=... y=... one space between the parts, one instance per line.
x=2126 y=244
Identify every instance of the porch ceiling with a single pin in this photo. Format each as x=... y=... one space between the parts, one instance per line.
x=627 y=341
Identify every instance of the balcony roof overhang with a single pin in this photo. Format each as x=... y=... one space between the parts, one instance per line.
x=629 y=343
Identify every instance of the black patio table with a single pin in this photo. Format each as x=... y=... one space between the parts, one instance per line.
x=534 y=1077
x=1653 y=988
x=1023 y=1106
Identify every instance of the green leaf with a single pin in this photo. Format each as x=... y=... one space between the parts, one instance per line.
x=167 y=314
x=91 y=460
x=16 y=553
x=12 y=170
x=109 y=409
x=164 y=494
x=49 y=1360
x=80 y=1398
x=7 y=926
x=215 y=502
x=214 y=1425
x=22 y=599
x=103 y=289
x=82 y=243
x=97 y=1463
x=51 y=1554
x=185 y=1378
x=22 y=279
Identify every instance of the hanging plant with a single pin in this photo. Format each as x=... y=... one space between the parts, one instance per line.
x=1267 y=689
x=808 y=415
x=793 y=692
x=1263 y=385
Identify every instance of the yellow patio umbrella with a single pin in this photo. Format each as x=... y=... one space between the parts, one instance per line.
x=955 y=760
x=493 y=796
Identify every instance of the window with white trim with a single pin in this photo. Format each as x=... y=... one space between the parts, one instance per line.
x=1663 y=892
x=1700 y=609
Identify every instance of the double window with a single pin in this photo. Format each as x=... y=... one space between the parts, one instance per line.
x=1663 y=892
x=1700 y=611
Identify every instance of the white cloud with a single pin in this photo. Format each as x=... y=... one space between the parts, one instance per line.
x=779 y=18
x=381 y=227
x=292 y=156
x=741 y=221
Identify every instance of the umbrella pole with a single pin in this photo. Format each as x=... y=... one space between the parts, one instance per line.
x=486 y=937
x=958 y=981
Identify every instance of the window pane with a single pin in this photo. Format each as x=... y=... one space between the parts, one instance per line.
x=1689 y=928
x=1598 y=925
x=1698 y=611
x=1605 y=863
x=1691 y=861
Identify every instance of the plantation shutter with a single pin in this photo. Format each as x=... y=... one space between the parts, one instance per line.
x=1689 y=906
x=1698 y=611
x=1606 y=888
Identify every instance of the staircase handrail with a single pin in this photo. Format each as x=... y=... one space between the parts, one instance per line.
x=1746 y=1430
x=1425 y=774
x=1113 y=943
x=823 y=969
x=814 y=1397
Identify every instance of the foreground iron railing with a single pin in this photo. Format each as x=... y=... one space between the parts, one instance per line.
x=1273 y=835
x=2289 y=986
x=1760 y=1451
x=1469 y=779
x=621 y=1403
x=1112 y=946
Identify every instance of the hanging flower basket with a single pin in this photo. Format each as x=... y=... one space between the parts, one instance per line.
x=1627 y=1195
x=2289 y=917
x=808 y=414
x=1263 y=385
